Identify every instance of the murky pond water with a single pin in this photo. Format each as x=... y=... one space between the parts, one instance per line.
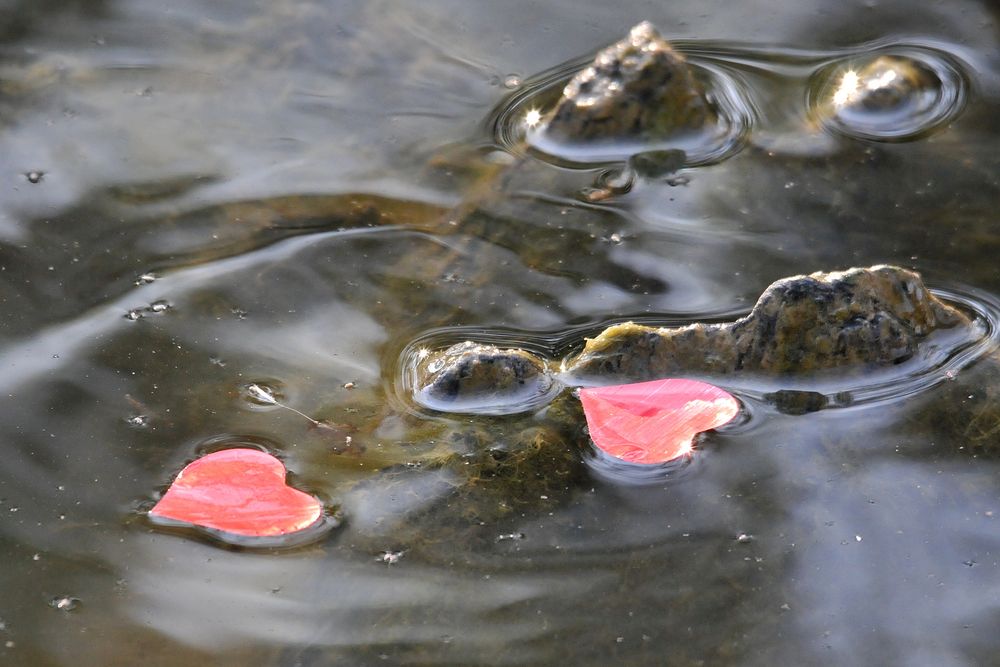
x=200 y=197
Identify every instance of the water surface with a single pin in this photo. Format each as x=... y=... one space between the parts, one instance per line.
x=228 y=193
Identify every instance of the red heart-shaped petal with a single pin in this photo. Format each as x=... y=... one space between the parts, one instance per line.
x=654 y=422
x=238 y=491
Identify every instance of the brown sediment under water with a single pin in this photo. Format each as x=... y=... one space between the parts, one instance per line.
x=200 y=198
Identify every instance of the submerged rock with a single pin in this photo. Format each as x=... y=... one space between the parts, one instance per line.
x=485 y=378
x=498 y=469
x=859 y=317
x=637 y=88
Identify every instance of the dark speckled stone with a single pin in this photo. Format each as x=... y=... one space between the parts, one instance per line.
x=638 y=88
x=859 y=317
x=469 y=374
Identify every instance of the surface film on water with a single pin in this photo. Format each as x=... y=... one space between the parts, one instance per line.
x=240 y=224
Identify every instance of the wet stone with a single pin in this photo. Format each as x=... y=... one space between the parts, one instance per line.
x=856 y=318
x=638 y=88
x=891 y=98
x=884 y=84
x=657 y=164
x=474 y=377
x=792 y=402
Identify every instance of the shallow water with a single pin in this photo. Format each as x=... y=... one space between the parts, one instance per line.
x=281 y=179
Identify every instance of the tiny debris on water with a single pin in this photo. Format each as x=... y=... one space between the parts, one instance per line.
x=137 y=421
x=510 y=536
x=35 y=176
x=389 y=557
x=155 y=307
x=744 y=538
x=262 y=394
x=265 y=395
x=64 y=603
x=146 y=278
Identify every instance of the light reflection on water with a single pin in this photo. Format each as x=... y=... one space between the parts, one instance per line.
x=286 y=170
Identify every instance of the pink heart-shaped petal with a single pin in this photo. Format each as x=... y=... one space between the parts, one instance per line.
x=238 y=491
x=654 y=422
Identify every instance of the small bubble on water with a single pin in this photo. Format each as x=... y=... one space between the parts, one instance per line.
x=35 y=176
x=239 y=313
x=744 y=538
x=146 y=278
x=134 y=315
x=349 y=385
x=159 y=306
x=512 y=81
x=64 y=603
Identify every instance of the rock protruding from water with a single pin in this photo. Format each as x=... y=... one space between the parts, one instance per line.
x=639 y=88
x=885 y=84
x=470 y=377
x=859 y=317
